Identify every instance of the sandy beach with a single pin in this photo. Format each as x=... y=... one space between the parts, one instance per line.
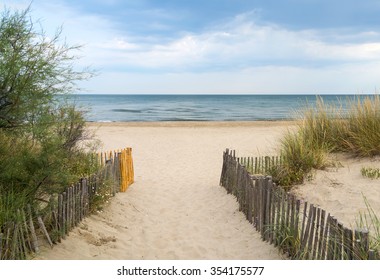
x=176 y=208
x=342 y=190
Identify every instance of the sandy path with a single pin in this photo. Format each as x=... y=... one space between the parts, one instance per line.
x=175 y=209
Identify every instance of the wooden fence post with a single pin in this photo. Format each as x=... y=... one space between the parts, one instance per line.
x=273 y=212
x=32 y=230
x=43 y=228
x=30 y=247
x=278 y=224
x=250 y=199
x=361 y=244
x=22 y=246
x=268 y=198
x=347 y=244
x=61 y=223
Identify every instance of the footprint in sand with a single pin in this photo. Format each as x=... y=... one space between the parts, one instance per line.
x=96 y=240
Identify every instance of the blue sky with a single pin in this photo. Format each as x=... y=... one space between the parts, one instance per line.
x=220 y=46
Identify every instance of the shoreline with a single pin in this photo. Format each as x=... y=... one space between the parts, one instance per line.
x=258 y=123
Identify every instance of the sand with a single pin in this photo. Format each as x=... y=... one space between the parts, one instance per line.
x=176 y=208
x=342 y=190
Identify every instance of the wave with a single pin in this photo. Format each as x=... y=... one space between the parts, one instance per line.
x=184 y=120
x=196 y=108
x=127 y=110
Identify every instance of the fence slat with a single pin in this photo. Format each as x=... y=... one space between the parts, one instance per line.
x=297 y=219
x=320 y=255
x=303 y=222
x=43 y=228
x=23 y=248
x=32 y=230
x=268 y=189
x=23 y=216
x=287 y=213
x=347 y=244
x=273 y=213
x=64 y=213
x=316 y=226
x=61 y=224
x=278 y=214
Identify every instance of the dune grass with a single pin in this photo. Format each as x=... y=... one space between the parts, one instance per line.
x=363 y=127
x=370 y=172
x=326 y=129
x=371 y=221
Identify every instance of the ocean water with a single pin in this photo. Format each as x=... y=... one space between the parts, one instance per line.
x=128 y=108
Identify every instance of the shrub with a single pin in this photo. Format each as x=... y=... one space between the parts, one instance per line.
x=41 y=134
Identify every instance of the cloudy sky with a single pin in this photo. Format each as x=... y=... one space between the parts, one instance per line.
x=220 y=46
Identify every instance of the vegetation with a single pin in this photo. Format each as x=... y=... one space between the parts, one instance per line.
x=373 y=173
x=41 y=131
x=371 y=221
x=327 y=129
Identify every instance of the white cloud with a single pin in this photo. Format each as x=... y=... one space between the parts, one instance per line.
x=347 y=78
x=238 y=44
x=240 y=55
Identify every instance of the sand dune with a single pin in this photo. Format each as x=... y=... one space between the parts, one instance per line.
x=342 y=190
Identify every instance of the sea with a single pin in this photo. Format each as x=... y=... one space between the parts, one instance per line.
x=197 y=107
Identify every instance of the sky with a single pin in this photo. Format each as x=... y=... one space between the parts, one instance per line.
x=219 y=46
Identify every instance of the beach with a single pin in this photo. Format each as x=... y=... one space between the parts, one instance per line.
x=342 y=190
x=176 y=208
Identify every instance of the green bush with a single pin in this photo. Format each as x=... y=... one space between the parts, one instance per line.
x=41 y=132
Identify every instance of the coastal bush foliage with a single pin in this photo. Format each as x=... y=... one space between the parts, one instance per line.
x=41 y=132
x=326 y=129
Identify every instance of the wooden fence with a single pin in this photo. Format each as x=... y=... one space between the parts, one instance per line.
x=21 y=238
x=300 y=229
x=124 y=172
x=260 y=165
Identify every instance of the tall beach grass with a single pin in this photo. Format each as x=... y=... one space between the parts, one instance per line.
x=326 y=129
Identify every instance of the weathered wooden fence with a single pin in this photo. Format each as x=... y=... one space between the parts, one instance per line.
x=122 y=169
x=260 y=165
x=300 y=229
x=33 y=227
